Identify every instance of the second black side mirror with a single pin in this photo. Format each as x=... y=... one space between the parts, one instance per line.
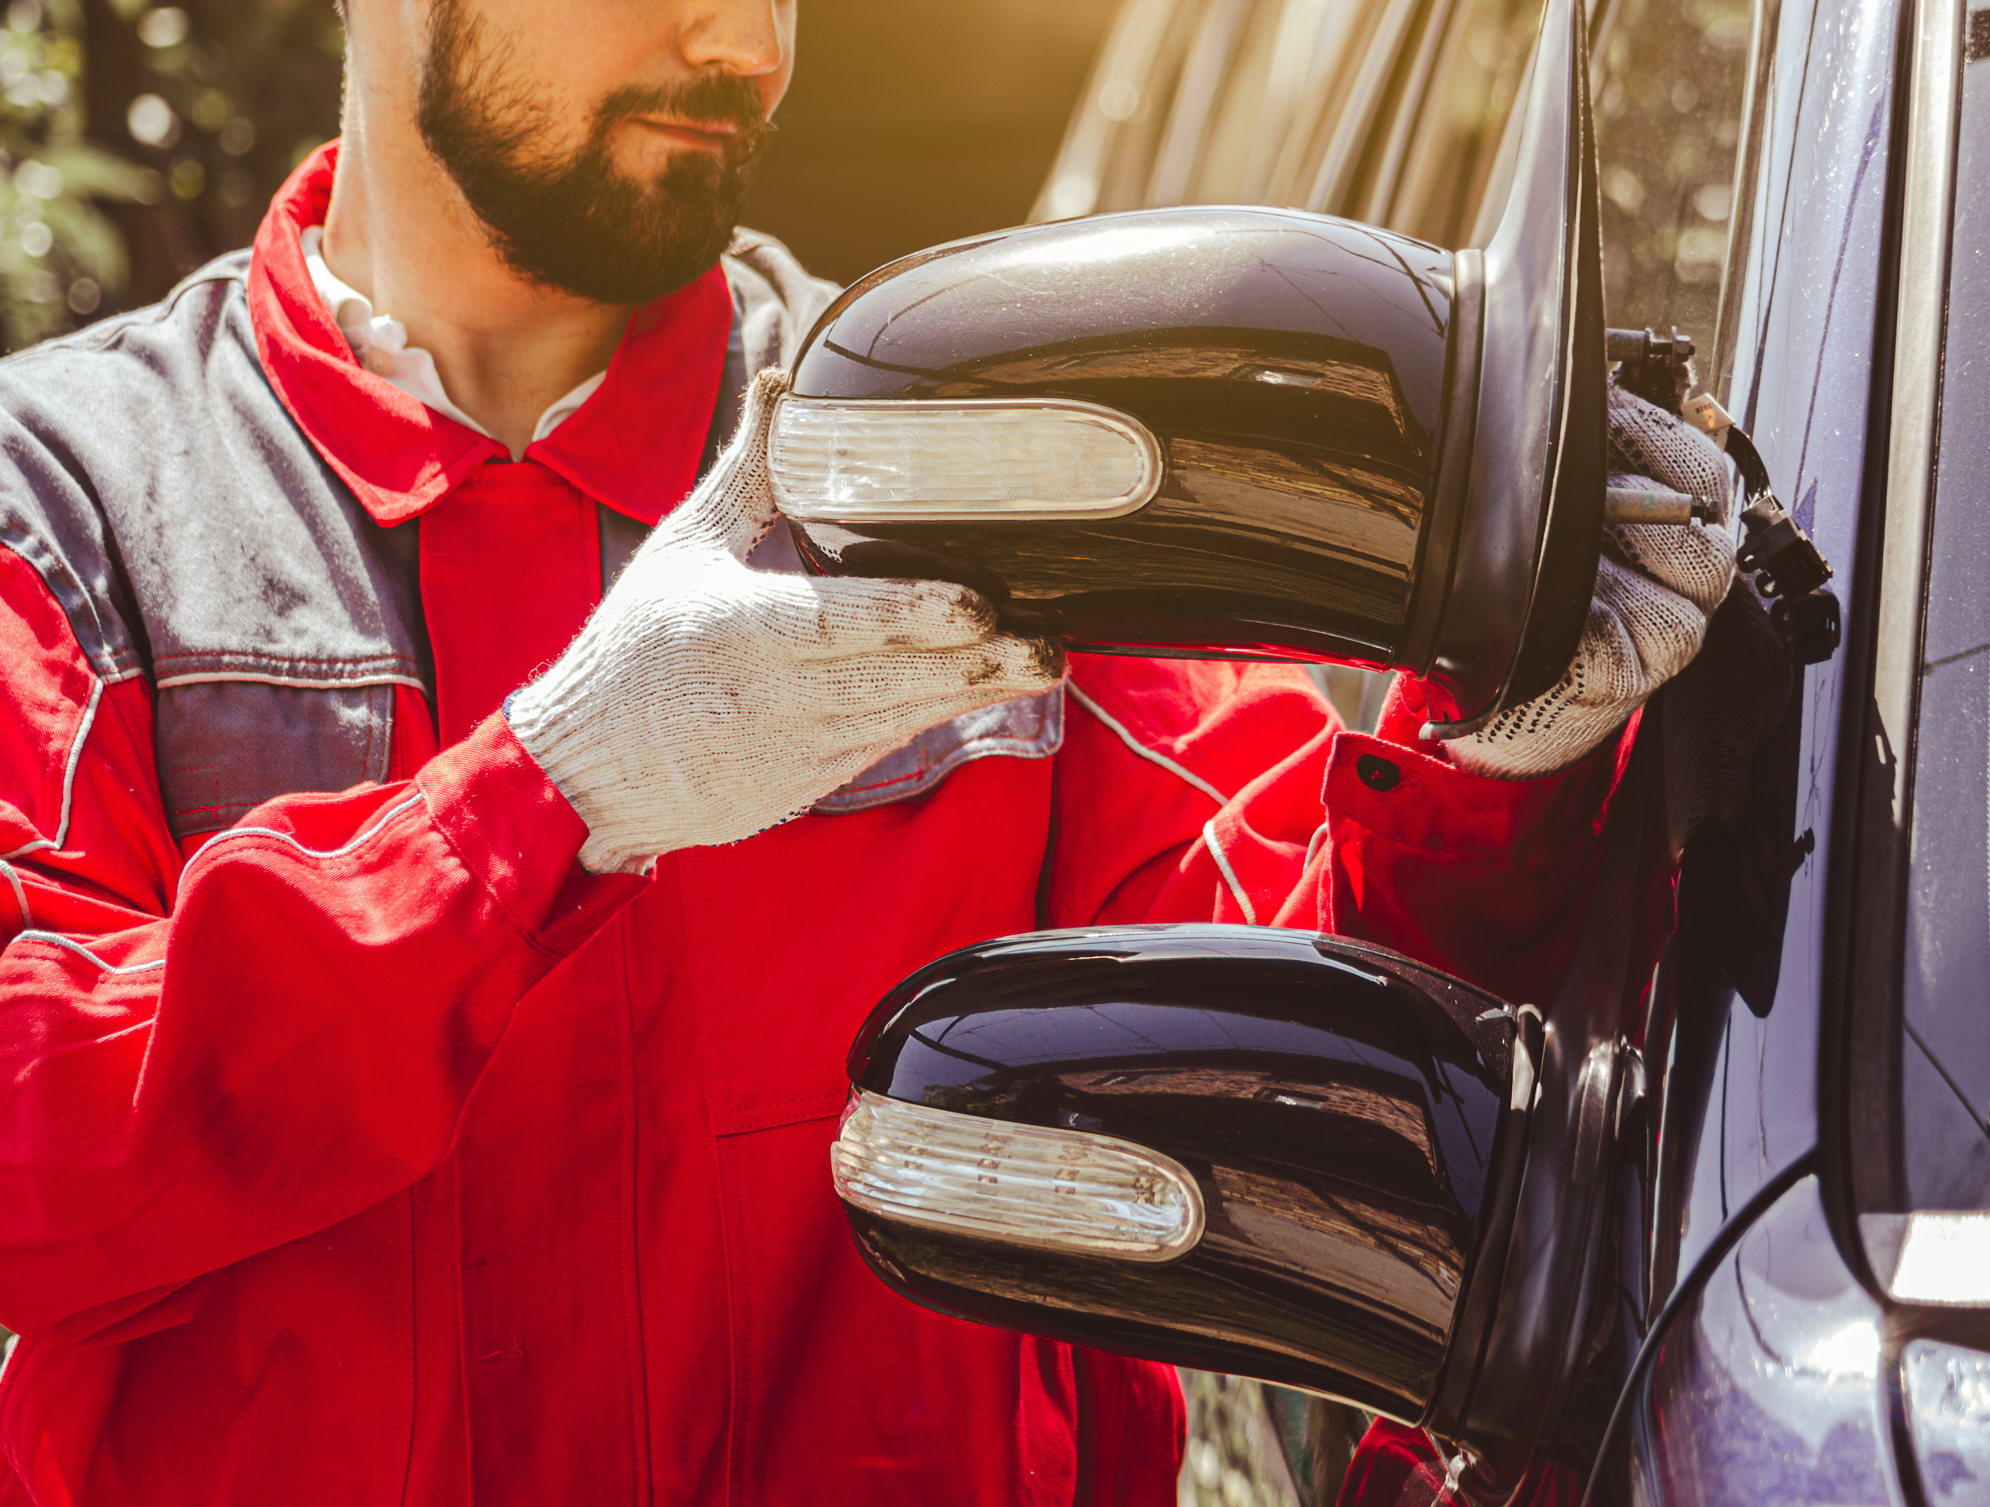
x=1264 y=1152
x=1226 y=1147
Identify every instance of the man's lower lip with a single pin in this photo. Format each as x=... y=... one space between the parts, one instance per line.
x=691 y=136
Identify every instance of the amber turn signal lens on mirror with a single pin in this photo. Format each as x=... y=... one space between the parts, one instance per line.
x=1027 y=1185
x=918 y=461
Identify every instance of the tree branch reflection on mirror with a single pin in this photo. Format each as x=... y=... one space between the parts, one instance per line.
x=1263 y=1445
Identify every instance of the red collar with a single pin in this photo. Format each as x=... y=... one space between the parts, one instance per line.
x=633 y=445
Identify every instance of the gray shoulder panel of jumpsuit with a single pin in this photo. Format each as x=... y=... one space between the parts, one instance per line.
x=192 y=534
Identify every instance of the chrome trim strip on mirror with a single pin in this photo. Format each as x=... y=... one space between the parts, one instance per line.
x=897 y=462
x=1056 y=1190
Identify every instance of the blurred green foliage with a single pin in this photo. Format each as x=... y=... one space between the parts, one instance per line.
x=137 y=141
x=58 y=250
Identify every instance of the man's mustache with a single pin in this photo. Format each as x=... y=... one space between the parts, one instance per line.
x=710 y=99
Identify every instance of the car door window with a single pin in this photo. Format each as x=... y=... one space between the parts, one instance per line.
x=1354 y=102
x=1668 y=84
x=1222 y=101
x=1259 y=97
x=1212 y=51
x=1456 y=135
x=1107 y=160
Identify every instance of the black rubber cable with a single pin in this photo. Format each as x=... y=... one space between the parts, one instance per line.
x=1688 y=1288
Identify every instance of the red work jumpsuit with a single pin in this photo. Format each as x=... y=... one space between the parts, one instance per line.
x=362 y=1148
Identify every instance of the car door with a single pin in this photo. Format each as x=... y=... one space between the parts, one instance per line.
x=1826 y=1337
x=1746 y=157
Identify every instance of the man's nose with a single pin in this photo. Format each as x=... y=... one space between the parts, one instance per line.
x=742 y=37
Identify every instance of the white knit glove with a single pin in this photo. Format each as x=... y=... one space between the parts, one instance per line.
x=1656 y=586
x=705 y=701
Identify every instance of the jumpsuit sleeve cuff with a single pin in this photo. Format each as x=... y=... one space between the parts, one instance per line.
x=1483 y=878
x=514 y=830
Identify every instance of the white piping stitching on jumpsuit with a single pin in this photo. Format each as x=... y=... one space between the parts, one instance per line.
x=76 y=758
x=1147 y=753
x=20 y=894
x=1313 y=845
x=56 y=939
x=288 y=682
x=384 y=818
x=1229 y=874
x=68 y=778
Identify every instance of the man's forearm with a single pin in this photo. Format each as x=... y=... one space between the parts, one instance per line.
x=293 y=1044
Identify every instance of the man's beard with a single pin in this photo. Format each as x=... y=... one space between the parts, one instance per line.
x=580 y=224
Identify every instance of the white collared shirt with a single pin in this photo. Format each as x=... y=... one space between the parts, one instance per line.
x=381 y=345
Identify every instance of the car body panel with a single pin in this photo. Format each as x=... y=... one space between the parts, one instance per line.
x=1767 y=1388
x=1808 y=290
x=1944 y=1059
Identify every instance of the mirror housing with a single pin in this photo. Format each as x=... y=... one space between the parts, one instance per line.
x=1259 y=1151
x=1237 y=432
x=1254 y=1151
x=1349 y=1124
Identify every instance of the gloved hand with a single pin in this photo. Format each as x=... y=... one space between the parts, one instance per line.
x=1656 y=586
x=705 y=701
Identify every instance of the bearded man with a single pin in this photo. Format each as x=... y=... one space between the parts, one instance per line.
x=422 y=1026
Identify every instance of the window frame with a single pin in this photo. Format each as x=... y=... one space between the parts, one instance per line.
x=1874 y=807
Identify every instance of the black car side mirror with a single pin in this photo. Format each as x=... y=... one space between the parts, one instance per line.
x=1282 y=1155
x=1263 y=1152
x=1232 y=1148
x=1240 y=432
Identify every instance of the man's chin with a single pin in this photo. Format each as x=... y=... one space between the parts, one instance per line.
x=599 y=234
x=628 y=269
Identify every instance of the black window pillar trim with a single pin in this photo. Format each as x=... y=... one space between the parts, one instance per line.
x=1757 y=112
